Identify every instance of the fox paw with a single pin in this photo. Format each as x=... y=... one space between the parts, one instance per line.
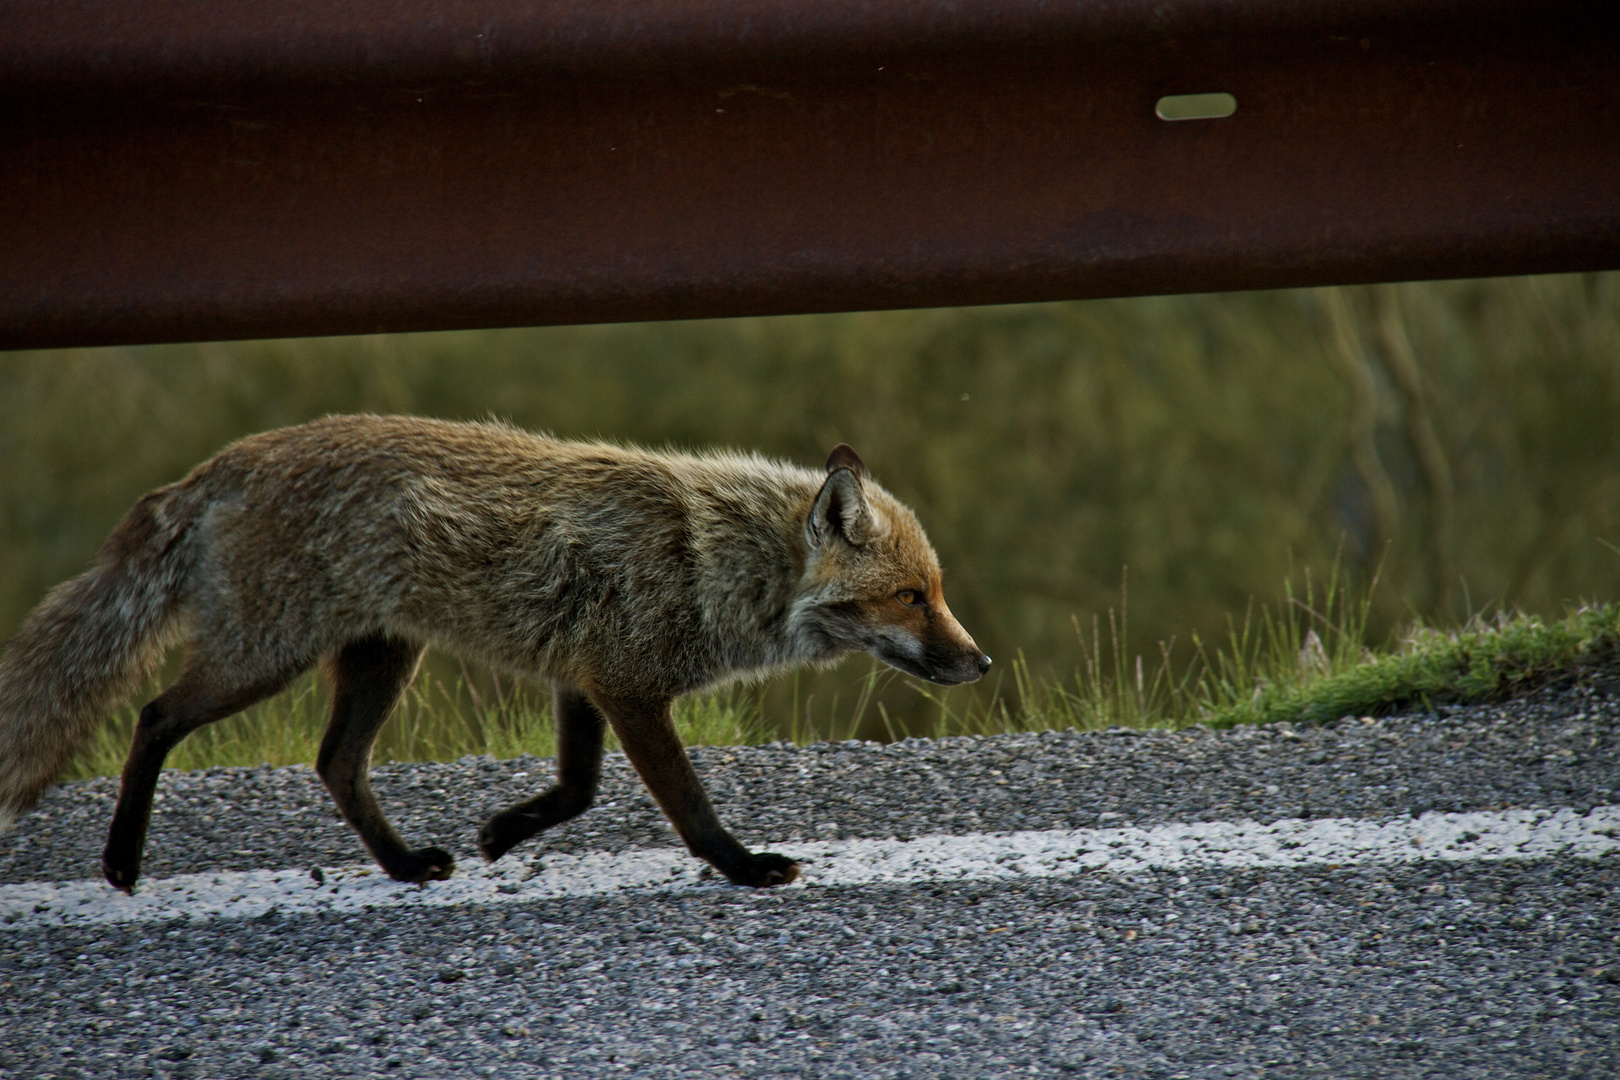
x=763 y=871
x=120 y=876
x=505 y=831
x=423 y=864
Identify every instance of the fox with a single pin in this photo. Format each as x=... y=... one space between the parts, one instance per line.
x=625 y=577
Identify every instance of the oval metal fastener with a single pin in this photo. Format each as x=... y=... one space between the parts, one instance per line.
x=1195 y=106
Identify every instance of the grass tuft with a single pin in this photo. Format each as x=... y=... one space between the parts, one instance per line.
x=1506 y=657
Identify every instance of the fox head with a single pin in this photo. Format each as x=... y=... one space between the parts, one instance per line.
x=872 y=581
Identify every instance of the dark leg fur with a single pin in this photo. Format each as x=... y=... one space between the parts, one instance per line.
x=579 y=767
x=192 y=702
x=647 y=732
x=368 y=677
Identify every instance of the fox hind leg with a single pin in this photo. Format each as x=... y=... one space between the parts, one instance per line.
x=196 y=699
x=368 y=676
x=580 y=729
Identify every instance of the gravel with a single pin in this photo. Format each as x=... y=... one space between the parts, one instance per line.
x=1415 y=970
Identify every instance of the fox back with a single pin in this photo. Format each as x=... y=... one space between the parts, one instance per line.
x=584 y=562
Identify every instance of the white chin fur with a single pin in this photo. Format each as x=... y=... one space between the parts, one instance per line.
x=906 y=646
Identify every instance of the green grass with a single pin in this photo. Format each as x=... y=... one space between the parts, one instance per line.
x=1306 y=663
x=1508 y=657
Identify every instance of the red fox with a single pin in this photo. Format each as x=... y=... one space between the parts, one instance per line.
x=624 y=577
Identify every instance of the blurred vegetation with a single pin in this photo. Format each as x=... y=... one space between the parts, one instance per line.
x=1454 y=441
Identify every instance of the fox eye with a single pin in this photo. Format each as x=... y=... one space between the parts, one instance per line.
x=909 y=597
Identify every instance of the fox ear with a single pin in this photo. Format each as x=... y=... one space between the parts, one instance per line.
x=843 y=456
x=840 y=509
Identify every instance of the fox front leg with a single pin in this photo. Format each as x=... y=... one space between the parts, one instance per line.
x=646 y=730
x=579 y=769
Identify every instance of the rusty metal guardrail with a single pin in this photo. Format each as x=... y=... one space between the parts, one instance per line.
x=195 y=169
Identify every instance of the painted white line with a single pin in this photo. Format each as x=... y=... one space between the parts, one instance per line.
x=1485 y=836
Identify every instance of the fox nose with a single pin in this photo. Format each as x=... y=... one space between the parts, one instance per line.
x=984 y=663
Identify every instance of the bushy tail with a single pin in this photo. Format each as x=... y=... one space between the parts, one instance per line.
x=87 y=646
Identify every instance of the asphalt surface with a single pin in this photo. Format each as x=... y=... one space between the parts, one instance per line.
x=1444 y=969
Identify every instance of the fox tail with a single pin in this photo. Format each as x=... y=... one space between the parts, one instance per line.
x=87 y=646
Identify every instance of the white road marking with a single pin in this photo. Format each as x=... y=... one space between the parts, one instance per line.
x=1475 y=837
